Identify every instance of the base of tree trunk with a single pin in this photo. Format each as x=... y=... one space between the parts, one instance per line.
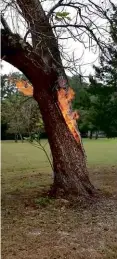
x=88 y=192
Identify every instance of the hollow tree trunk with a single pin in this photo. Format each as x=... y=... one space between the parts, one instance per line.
x=70 y=172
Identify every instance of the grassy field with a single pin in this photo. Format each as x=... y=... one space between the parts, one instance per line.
x=34 y=226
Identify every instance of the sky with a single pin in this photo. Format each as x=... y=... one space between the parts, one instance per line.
x=87 y=68
x=86 y=65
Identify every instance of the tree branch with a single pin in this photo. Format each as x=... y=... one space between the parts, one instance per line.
x=27 y=33
x=40 y=27
x=80 y=26
x=5 y=24
x=19 y=54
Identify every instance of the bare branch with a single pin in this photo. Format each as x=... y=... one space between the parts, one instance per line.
x=18 y=53
x=79 y=26
x=27 y=33
x=5 y=24
x=48 y=35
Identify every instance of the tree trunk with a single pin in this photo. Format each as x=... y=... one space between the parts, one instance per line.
x=70 y=172
x=21 y=137
x=16 y=138
x=91 y=134
x=96 y=135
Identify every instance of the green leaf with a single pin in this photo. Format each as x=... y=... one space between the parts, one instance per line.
x=62 y=14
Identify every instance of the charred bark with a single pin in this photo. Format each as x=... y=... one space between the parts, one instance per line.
x=70 y=172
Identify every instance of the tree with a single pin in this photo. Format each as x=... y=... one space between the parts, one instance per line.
x=103 y=105
x=40 y=59
x=104 y=83
x=81 y=102
x=107 y=71
x=6 y=89
x=19 y=113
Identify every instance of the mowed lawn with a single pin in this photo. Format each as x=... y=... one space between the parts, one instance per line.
x=35 y=226
x=21 y=156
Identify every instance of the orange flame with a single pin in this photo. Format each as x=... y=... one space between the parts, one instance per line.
x=24 y=87
x=65 y=98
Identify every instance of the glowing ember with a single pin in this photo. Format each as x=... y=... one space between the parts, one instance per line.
x=65 y=98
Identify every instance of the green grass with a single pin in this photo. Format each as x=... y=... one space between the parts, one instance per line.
x=35 y=226
x=24 y=156
x=101 y=151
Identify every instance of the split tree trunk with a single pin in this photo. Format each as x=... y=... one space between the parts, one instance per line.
x=70 y=171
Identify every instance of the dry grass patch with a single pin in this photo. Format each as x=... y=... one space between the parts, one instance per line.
x=34 y=226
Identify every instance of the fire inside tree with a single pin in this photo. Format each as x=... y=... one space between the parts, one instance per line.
x=65 y=97
x=64 y=103
x=41 y=63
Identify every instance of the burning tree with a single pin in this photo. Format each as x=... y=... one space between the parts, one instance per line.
x=37 y=50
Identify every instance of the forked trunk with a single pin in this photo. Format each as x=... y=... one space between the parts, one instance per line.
x=42 y=64
x=70 y=172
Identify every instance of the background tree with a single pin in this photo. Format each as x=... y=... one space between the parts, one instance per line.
x=103 y=102
x=20 y=114
x=7 y=89
x=104 y=83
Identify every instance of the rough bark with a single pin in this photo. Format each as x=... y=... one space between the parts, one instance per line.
x=70 y=172
x=43 y=38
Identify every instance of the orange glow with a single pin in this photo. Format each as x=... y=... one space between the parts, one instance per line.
x=65 y=98
x=24 y=87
